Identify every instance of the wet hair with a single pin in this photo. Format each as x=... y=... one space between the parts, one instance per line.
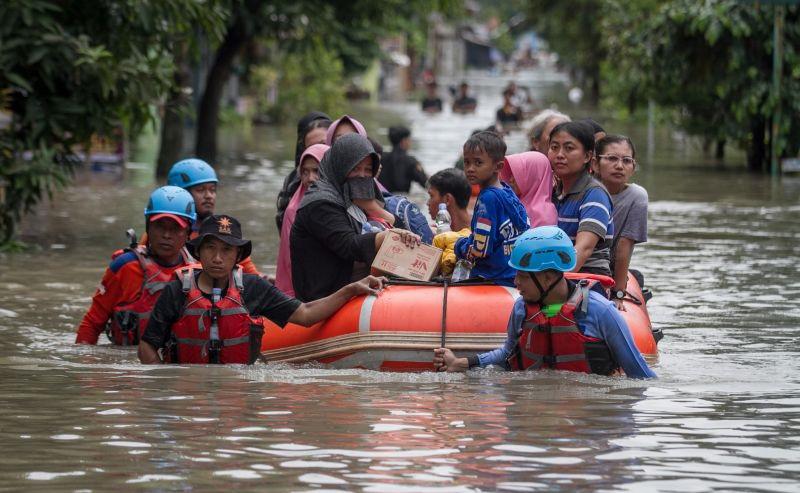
x=581 y=131
x=454 y=182
x=397 y=134
x=593 y=124
x=600 y=145
x=489 y=142
x=542 y=119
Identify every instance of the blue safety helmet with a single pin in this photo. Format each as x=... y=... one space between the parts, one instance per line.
x=171 y=200
x=543 y=248
x=191 y=172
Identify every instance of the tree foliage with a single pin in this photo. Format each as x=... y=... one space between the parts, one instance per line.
x=708 y=64
x=572 y=29
x=351 y=31
x=72 y=69
x=711 y=64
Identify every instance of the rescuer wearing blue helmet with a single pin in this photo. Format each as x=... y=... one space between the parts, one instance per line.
x=200 y=179
x=133 y=281
x=556 y=323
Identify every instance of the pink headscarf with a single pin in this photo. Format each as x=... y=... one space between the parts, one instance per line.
x=352 y=121
x=534 y=177
x=283 y=274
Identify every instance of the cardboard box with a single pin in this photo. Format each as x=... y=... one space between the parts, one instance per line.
x=417 y=264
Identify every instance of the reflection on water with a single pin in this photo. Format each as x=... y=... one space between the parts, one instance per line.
x=723 y=416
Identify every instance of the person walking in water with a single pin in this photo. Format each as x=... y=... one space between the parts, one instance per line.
x=199 y=178
x=134 y=279
x=400 y=168
x=556 y=323
x=212 y=314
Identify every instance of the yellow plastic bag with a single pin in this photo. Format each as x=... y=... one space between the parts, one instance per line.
x=447 y=242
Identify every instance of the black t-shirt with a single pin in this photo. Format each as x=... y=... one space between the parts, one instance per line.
x=400 y=169
x=260 y=298
x=432 y=103
x=325 y=242
x=466 y=103
x=514 y=116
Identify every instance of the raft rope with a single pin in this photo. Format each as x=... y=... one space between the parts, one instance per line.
x=444 y=315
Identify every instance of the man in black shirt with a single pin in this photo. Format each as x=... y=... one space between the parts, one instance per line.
x=210 y=315
x=399 y=167
x=464 y=103
x=432 y=102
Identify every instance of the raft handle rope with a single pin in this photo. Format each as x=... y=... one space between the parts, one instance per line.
x=444 y=315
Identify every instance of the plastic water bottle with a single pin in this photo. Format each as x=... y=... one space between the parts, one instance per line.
x=462 y=270
x=442 y=219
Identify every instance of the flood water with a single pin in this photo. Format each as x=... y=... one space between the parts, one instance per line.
x=723 y=416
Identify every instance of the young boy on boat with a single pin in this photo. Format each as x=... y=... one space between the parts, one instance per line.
x=134 y=279
x=499 y=217
x=212 y=314
x=556 y=323
x=450 y=187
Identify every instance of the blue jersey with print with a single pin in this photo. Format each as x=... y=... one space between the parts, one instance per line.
x=499 y=218
x=601 y=320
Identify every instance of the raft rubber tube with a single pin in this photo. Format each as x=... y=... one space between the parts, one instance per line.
x=397 y=330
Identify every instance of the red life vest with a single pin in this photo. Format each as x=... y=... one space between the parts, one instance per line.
x=557 y=342
x=239 y=337
x=129 y=320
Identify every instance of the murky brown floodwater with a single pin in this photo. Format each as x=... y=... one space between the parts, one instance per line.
x=724 y=415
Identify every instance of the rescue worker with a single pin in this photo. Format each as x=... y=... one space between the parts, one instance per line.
x=212 y=314
x=134 y=279
x=199 y=178
x=556 y=323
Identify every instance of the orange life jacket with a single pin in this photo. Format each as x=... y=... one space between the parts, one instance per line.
x=239 y=335
x=557 y=342
x=129 y=320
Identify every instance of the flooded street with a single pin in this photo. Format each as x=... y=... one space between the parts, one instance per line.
x=723 y=416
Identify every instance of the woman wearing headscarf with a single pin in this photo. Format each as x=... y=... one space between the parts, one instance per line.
x=331 y=242
x=343 y=126
x=309 y=173
x=311 y=129
x=530 y=175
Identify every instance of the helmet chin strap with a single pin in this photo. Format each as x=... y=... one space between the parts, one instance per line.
x=542 y=291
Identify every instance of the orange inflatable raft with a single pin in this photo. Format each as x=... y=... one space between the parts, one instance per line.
x=398 y=330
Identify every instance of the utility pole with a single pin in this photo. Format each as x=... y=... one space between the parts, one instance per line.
x=777 y=72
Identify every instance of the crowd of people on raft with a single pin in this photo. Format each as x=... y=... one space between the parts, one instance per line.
x=189 y=293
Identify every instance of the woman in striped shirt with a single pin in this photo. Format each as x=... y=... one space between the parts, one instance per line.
x=583 y=203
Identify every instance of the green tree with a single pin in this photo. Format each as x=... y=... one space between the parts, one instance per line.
x=572 y=30
x=710 y=63
x=73 y=69
x=351 y=29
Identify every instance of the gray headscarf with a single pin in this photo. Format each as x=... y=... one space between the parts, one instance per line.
x=338 y=162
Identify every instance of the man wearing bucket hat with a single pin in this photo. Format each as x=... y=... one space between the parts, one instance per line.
x=213 y=314
x=134 y=279
x=556 y=323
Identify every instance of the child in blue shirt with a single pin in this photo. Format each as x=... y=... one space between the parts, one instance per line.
x=499 y=217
